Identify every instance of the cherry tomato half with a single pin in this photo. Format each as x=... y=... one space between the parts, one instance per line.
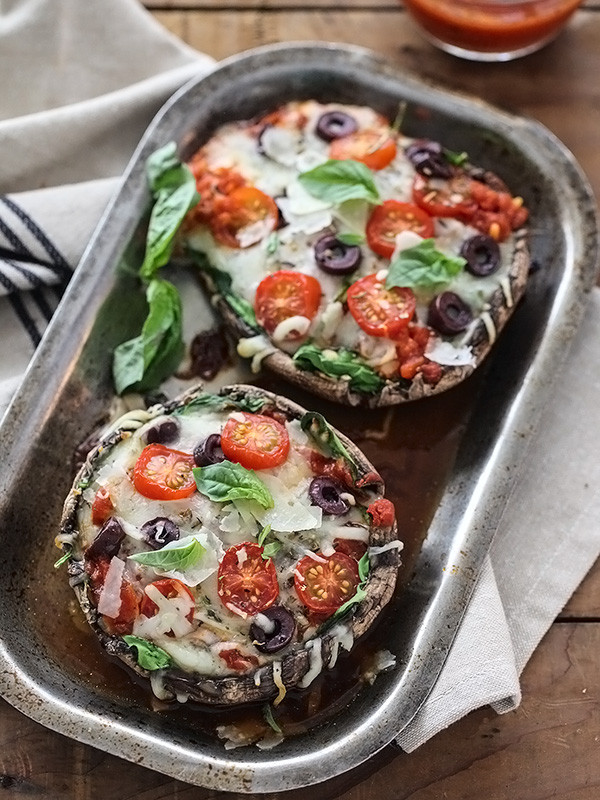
x=244 y=217
x=169 y=588
x=102 y=506
x=164 y=474
x=391 y=218
x=350 y=547
x=285 y=294
x=373 y=147
x=247 y=581
x=382 y=512
x=129 y=610
x=444 y=198
x=380 y=311
x=237 y=660
x=324 y=587
x=257 y=442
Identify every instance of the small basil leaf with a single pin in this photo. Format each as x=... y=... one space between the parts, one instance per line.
x=270 y=550
x=327 y=439
x=350 y=239
x=423 y=267
x=149 y=656
x=338 y=181
x=458 y=159
x=228 y=481
x=344 y=363
x=143 y=362
x=263 y=535
x=173 y=188
x=171 y=558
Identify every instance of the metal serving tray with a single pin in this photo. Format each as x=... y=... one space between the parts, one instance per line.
x=67 y=390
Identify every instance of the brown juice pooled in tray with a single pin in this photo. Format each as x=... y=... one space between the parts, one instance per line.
x=413 y=446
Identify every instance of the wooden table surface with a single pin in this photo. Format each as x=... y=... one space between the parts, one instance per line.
x=550 y=746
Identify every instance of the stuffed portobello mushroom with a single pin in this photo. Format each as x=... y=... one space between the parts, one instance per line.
x=229 y=547
x=364 y=265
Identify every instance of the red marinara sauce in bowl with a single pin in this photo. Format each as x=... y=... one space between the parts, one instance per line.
x=491 y=30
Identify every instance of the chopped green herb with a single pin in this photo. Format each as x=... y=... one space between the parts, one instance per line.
x=396 y=125
x=272 y=243
x=65 y=557
x=270 y=550
x=350 y=239
x=458 y=159
x=149 y=655
x=263 y=535
x=269 y=718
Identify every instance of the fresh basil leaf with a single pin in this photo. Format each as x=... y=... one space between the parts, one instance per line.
x=423 y=267
x=327 y=439
x=171 y=558
x=263 y=535
x=338 y=181
x=142 y=363
x=350 y=239
x=173 y=188
x=65 y=557
x=149 y=656
x=458 y=159
x=270 y=550
x=346 y=362
x=269 y=718
x=230 y=481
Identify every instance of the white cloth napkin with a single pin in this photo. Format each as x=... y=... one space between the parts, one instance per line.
x=86 y=78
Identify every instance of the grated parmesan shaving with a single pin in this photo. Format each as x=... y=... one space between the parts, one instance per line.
x=278 y=683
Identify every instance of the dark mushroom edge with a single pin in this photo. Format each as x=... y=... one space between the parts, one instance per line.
x=295 y=662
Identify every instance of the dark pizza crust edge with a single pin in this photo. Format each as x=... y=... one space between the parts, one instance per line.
x=236 y=690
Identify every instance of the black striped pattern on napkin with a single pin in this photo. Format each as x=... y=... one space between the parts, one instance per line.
x=33 y=273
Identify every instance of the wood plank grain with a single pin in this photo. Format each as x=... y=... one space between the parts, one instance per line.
x=548 y=747
x=565 y=103
x=585 y=602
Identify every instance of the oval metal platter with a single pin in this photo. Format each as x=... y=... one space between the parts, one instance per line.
x=67 y=390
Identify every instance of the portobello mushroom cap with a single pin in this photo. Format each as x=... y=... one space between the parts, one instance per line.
x=295 y=662
x=501 y=305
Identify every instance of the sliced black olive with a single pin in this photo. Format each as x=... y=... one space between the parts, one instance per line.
x=164 y=431
x=335 y=257
x=209 y=451
x=482 y=254
x=159 y=531
x=448 y=314
x=428 y=159
x=327 y=493
x=282 y=632
x=334 y=125
x=108 y=541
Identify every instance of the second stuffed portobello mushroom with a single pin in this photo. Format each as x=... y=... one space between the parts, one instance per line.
x=228 y=547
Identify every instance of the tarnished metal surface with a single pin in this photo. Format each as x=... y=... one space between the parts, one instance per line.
x=67 y=389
